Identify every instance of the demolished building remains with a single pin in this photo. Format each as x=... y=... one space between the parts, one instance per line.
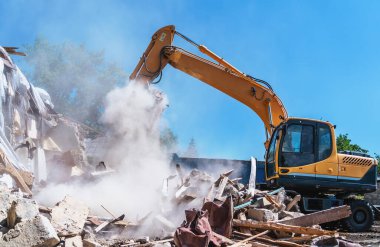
x=217 y=211
x=32 y=145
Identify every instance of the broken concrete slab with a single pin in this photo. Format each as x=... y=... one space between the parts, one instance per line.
x=74 y=242
x=262 y=214
x=69 y=216
x=24 y=208
x=36 y=232
x=5 y=203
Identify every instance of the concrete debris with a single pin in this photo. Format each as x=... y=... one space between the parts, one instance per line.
x=14 y=203
x=262 y=214
x=69 y=216
x=236 y=216
x=74 y=242
x=33 y=232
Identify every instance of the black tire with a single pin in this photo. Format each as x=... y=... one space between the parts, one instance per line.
x=361 y=218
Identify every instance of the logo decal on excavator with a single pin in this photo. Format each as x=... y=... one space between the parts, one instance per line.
x=163 y=35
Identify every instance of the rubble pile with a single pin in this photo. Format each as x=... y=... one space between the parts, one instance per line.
x=226 y=214
x=234 y=215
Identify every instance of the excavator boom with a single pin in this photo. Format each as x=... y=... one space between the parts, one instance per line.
x=254 y=93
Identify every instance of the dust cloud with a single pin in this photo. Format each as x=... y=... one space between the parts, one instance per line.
x=132 y=115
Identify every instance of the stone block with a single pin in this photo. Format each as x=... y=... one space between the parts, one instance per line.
x=262 y=214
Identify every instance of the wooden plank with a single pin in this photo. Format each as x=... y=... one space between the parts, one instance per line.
x=320 y=217
x=211 y=194
x=221 y=187
x=271 y=200
x=295 y=200
x=226 y=174
x=125 y=223
x=266 y=239
x=242 y=216
x=300 y=239
x=282 y=227
x=242 y=242
x=281 y=243
x=7 y=167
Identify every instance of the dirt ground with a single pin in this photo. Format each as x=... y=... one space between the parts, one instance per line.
x=371 y=238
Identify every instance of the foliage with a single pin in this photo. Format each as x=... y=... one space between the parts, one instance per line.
x=191 y=151
x=377 y=156
x=343 y=143
x=76 y=79
x=169 y=140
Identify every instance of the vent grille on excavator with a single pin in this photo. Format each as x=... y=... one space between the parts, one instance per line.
x=357 y=161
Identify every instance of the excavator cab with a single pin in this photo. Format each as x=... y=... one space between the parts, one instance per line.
x=302 y=154
x=299 y=142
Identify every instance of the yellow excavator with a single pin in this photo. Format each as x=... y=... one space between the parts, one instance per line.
x=301 y=154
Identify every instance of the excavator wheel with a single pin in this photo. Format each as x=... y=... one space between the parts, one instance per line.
x=362 y=217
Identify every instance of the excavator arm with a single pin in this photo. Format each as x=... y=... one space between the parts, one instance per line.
x=254 y=93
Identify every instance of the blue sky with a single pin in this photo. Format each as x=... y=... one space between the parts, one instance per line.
x=321 y=57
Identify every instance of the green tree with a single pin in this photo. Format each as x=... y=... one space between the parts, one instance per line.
x=169 y=140
x=377 y=156
x=343 y=143
x=191 y=151
x=76 y=79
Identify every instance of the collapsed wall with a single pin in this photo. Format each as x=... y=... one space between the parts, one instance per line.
x=32 y=143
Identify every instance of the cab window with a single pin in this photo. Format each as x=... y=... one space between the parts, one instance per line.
x=271 y=156
x=297 y=146
x=324 y=140
x=272 y=149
